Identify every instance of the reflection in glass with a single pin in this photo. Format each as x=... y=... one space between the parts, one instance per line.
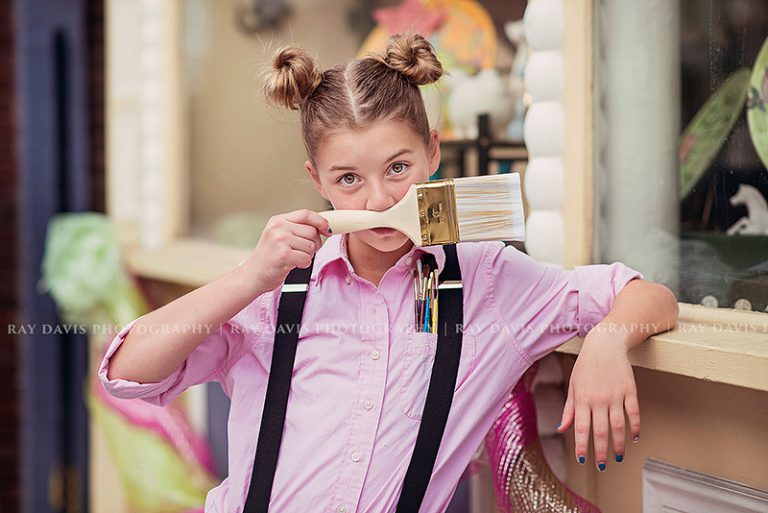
x=705 y=82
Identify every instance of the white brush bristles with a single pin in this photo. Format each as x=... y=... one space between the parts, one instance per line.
x=489 y=207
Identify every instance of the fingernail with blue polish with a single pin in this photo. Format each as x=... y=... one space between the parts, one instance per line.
x=601 y=466
x=558 y=426
x=635 y=438
x=619 y=458
x=582 y=459
x=329 y=230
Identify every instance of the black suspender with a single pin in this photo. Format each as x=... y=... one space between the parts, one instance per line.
x=273 y=417
x=442 y=382
x=436 y=408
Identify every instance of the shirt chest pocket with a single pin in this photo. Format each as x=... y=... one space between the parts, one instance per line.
x=417 y=369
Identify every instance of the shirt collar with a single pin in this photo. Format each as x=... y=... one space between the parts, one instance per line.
x=335 y=250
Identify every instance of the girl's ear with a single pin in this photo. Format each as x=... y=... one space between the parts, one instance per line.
x=434 y=151
x=315 y=179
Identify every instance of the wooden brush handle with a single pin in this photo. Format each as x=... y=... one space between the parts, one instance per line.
x=342 y=221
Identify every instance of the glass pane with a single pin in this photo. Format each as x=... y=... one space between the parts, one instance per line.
x=682 y=145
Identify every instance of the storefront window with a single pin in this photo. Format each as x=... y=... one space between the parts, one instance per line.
x=681 y=127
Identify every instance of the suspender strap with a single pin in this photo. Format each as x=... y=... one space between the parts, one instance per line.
x=273 y=416
x=445 y=369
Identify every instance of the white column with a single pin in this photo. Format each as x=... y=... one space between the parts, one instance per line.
x=637 y=125
x=154 y=143
x=544 y=131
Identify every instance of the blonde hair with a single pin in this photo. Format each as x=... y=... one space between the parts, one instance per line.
x=378 y=87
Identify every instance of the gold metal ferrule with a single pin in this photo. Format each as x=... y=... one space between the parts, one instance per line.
x=437 y=212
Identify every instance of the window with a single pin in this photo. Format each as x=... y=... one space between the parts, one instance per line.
x=682 y=145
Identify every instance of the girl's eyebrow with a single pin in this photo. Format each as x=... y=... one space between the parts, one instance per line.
x=342 y=168
x=399 y=153
x=353 y=168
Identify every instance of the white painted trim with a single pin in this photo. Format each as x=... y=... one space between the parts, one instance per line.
x=670 y=488
x=544 y=130
x=145 y=121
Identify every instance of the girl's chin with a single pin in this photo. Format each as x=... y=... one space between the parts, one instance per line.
x=384 y=239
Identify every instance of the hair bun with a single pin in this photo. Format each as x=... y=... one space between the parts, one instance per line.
x=294 y=76
x=414 y=57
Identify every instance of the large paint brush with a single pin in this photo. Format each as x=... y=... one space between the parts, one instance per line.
x=477 y=208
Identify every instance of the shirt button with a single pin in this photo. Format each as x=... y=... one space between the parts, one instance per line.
x=409 y=261
x=368 y=405
x=341 y=509
x=355 y=456
x=375 y=355
x=348 y=280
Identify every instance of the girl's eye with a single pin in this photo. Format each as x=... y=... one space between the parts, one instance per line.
x=343 y=179
x=399 y=167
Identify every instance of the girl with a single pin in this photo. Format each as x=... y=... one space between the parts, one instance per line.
x=361 y=372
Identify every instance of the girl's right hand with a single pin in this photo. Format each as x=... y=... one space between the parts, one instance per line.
x=288 y=241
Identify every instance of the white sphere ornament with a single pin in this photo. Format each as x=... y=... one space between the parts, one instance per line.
x=543 y=129
x=484 y=93
x=544 y=76
x=544 y=22
x=544 y=236
x=544 y=178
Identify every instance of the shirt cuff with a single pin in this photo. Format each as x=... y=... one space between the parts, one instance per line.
x=598 y=286
x=128 y=389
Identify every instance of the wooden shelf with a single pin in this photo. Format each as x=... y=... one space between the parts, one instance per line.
x=484 y=146
x=189 y=262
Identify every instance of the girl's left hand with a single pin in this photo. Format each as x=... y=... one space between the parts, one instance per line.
x=602 y=387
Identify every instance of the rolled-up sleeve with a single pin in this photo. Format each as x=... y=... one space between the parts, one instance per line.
x=208 y=362
x=543 y=305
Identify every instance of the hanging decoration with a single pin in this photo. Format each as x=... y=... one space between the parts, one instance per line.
x=164 y=466
x=410 y=16
x=258 y=16
x=757 y=104
x=707 y=132
x=461 y=31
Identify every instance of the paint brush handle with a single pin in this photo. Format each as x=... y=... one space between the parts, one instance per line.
x=341 y=221
x=403 y=216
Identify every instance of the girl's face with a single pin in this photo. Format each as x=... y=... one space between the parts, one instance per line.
x=371 y=169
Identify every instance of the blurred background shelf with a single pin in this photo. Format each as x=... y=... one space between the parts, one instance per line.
x=481 y=156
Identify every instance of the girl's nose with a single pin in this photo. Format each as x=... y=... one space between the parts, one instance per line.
x=380 y=199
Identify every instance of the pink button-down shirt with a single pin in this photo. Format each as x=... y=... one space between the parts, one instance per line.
x=362 y=372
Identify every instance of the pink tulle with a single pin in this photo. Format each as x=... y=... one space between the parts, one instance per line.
x=168 y=422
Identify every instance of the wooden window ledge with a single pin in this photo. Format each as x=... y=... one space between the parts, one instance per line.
x=712 y=344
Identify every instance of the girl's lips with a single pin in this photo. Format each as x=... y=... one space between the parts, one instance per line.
x=384 y=231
